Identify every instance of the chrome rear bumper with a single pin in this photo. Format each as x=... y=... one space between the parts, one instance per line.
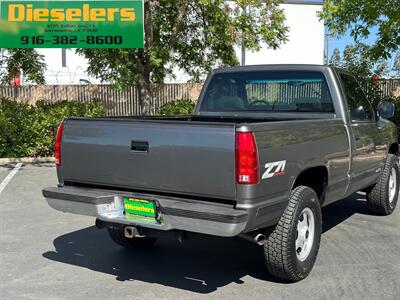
x=177 y=213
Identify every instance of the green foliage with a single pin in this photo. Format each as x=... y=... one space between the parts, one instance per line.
x=194 y=35
x=357 y=60
x=29 y=131
x=361 y=17
x=396 y=102
x=336 y=59
x=396 y=64
x=29 y=61
x=178 y=107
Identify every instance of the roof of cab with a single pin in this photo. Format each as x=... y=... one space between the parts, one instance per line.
x=281 y=67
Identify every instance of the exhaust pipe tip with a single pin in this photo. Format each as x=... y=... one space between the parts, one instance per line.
x=128 y=232
x=131 y=232
x=260 y=239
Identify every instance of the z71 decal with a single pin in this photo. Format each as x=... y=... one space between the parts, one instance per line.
x=274 y=169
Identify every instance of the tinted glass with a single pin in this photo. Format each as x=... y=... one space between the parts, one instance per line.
x=269 y=91
x=359 y=106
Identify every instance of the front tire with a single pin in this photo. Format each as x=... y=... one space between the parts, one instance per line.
x=292 y=247
x=117 y=235
x=382 y=198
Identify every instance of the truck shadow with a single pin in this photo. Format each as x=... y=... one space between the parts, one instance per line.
x=201 y=265
x=338 y=212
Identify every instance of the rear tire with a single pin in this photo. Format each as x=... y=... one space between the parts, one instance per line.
x=292 y=247
x=382 y=197
x=117 y=235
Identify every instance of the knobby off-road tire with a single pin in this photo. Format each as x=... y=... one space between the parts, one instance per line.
x=117 y=235
x=382 y=197
x=284 y=257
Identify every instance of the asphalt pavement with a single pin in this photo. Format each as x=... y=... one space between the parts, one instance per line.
x=45 y=254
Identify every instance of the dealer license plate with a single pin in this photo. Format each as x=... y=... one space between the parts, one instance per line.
x=140 y=208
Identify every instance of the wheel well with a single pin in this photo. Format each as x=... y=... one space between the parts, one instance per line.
x=315 y=178
x=394 y=149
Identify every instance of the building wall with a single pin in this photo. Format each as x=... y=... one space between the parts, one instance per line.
x=75 y=70
x=305 y=43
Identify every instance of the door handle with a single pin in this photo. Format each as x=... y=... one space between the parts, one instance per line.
x=139 y=146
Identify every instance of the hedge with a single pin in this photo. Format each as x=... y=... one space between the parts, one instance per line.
x=178 y=107
x=29 y=131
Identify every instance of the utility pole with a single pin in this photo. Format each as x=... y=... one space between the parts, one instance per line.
x=327 y=50
x=243 y=51
x=244 y=40
x=64 y=58
x=327 y=60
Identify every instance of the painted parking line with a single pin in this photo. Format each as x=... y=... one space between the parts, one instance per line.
x=9 y=177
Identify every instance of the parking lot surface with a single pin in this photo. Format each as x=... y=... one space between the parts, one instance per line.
x=45 y=254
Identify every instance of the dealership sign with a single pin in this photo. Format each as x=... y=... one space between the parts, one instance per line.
x=71 y=24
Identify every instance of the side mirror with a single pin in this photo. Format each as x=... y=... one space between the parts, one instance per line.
x=386 y=110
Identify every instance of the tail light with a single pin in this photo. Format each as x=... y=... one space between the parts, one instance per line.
x=246 y=158
x=57 y=146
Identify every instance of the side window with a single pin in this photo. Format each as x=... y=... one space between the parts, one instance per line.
x=359 y=107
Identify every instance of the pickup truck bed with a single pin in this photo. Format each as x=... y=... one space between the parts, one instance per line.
x=98 y=154
x=176 y=156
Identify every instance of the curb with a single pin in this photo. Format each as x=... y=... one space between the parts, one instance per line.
x=26 y=160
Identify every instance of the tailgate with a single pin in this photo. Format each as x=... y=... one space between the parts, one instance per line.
x=182 y=157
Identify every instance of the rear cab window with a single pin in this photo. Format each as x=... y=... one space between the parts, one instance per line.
x=268 y=91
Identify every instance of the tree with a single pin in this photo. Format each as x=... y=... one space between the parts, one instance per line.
x=336 y=59
x=193 y=35
x=396 y=64
x=15 y=61
x=357 y=60
x=360 y=17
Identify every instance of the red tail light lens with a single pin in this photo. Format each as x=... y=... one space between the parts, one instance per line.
x=57 y=146
x=246 y=158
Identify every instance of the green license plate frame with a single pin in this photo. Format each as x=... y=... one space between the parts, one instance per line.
x=140 y=208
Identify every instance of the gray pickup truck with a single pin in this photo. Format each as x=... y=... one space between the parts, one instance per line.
x=265 y=149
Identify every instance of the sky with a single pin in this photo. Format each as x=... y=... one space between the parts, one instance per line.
x=342 y=42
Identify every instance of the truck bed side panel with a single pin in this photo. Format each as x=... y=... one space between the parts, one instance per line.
x=296 y=146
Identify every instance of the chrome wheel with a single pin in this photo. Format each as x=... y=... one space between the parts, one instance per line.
x=305 y=234
x=392 y=185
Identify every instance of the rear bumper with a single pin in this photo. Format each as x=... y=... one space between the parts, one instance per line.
x=177 y=213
